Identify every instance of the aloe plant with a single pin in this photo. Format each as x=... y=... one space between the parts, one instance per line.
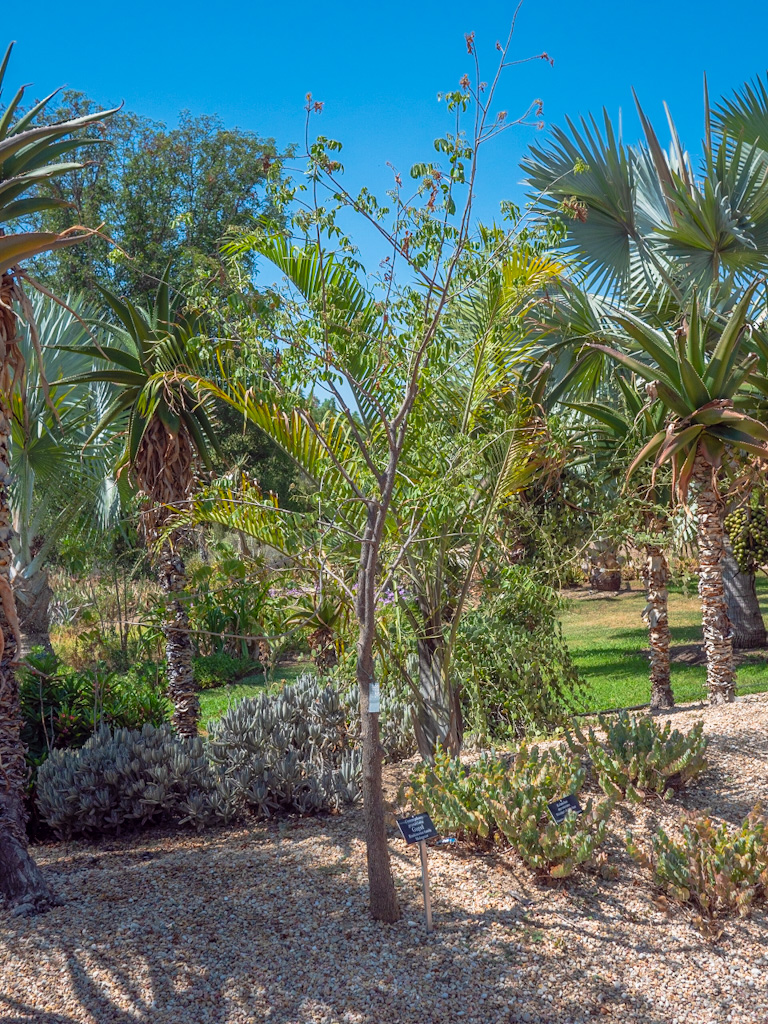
x=703 y=375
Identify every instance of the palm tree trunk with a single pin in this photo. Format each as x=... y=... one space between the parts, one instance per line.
x=21 y=881
x=656 y=577
x=721 y=675
x=182 y=691
x=33 y=598
x=438 y=718
x=741 y=603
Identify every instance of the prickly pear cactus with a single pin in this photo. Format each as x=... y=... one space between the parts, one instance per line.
x=716 y=869
x=505 y=799
x=639 y=757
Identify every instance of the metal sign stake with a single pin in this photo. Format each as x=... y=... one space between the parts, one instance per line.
x=425 y=884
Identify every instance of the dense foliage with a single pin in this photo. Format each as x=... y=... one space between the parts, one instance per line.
x=162 y=194
x=516 y=672
x=61 y=706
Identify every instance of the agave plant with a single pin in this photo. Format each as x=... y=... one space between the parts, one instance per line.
x=168 y=433
x=30 y=154
x=701 y=375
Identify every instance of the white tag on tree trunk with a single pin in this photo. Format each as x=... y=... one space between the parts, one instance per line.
x=374 y=698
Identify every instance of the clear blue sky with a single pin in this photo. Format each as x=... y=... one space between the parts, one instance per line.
x=378 y=67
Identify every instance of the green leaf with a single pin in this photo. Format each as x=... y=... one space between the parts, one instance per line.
x=694 y=386
x=727 y=346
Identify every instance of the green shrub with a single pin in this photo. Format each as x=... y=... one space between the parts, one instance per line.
x=506 y=799
x=716 y=870
x=516 y=670
x=61 y=706
x=639 y=757
x=231 y=594
x=220 y=668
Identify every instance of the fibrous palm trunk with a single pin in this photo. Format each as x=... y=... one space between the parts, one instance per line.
x=438 y=718
x=182 y=691
x=742 y=606
x=21 y=881
x=33 y=599
x=721 y=675
x=656 y=578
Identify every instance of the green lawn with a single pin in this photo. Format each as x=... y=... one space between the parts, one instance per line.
x=214 y=702
x=607 y=637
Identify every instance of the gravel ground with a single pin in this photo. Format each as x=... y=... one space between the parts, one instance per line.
x=268 y=923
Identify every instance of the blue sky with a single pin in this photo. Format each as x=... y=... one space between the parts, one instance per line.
x=379 y=67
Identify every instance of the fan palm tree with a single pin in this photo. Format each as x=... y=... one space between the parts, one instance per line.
x=645 y=224
x=50 y=425
x=167 y=434
x=648 y=226
x=702 y=375
x=30 y=154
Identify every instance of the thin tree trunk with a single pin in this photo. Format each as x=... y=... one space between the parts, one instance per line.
x=656 y=614
x=33 y=599
x=438 y=717
x=721 y=675
x=182 y=691
x=742 y=606
x=383 y=898
x=21 y=881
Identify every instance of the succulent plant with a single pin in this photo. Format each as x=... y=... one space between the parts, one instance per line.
x=506 y=799
x=716 y=869
x=640 y=757
x=292 y=752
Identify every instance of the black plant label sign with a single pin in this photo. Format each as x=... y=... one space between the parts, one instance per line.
x=416 y=829
x=560 y=808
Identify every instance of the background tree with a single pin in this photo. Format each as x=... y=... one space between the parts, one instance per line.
x=29 y=154
x=165 y=195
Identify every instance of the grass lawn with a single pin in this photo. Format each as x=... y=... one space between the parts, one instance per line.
x=607 y=637
x=214 y=702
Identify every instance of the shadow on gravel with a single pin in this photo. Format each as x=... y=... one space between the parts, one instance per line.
x=282 y=952
x=14 y=1012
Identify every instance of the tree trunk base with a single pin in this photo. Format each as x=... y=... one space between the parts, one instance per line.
x=722 y=695
x=749 y=641
x=662 y=697
x=21 y=881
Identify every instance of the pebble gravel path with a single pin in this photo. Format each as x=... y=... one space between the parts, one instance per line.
x=268 y=923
